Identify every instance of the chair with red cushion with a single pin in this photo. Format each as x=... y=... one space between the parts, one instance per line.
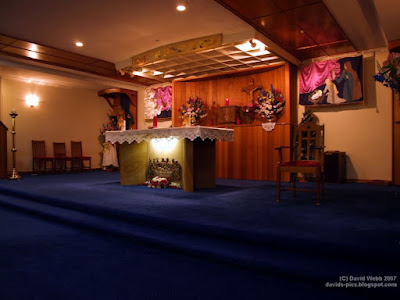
x=39 y=158
x=307 y=156
x=78 y=159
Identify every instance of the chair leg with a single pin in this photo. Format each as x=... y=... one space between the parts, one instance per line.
x=52 y=168
x=294 y=180
x=278 y=184
x=318 y=182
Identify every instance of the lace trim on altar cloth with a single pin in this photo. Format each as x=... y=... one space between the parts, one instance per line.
x=191 y=133
x=268 y=126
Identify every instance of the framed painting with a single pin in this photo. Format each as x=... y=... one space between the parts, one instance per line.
x=332 y=82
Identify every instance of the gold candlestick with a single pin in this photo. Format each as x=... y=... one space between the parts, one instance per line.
x=14 y=174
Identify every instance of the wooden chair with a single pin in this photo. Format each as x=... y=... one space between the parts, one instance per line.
x=77 y=158
x=307 y=156
x=60 y=157
x=39 y=157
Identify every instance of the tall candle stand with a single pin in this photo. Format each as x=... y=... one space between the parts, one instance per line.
x=14 y=174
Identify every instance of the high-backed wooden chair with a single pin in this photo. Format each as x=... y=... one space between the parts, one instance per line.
x=60 y=157
x=78 y=159
x=39 y=157
x=307 y=156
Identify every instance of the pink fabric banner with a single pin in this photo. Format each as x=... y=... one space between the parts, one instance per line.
x=314 y=74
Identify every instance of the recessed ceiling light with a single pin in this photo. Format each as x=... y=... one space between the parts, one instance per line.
x=181 y=7
x=251 y=45
x=79 y=44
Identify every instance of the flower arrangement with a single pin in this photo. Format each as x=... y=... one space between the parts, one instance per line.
x=175 y=185
x=111 y=125
x=161 y=183
x=163 y=99
x=389 y=72
x=157 y=99
x=250 y=109
x=158 y=182
x=271 y=103
x=194 y=109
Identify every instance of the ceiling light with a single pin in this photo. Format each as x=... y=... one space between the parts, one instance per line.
x=155 y=73
x=33 y=47
x=79 y=44
x=259 y=52
x=32 y=52
x=270 y=58
x=250 y=45
x=181 y=7
x=168 y=76
x=33 y=55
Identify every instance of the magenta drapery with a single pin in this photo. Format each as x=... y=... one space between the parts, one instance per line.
x=315 y=74
x=163 y=97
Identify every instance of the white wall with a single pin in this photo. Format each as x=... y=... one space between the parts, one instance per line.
x=363 y=131
x=63 y=114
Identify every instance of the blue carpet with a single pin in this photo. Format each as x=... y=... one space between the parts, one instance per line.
x=290 y=248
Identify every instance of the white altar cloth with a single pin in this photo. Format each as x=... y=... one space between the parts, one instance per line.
x=191 y=133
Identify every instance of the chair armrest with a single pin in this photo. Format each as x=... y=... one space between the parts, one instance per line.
x=280 y=152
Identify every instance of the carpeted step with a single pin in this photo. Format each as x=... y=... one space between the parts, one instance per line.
x=261 y=258
x=370 y=254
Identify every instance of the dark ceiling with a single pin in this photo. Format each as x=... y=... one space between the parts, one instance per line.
x=304 y=28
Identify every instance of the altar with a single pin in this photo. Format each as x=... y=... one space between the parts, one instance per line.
x=193 y=147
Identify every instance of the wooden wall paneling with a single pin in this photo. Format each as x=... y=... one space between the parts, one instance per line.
x=178 y=94
x=294 y=93
x=279 y=136
x=252 y=155
x=218 y=88
x=250 y=149
x=222 y=159
x=238 y=157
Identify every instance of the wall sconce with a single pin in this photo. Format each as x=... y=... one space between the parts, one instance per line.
x=32 y=100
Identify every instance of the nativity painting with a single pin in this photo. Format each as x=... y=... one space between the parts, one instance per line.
x=332 y=82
